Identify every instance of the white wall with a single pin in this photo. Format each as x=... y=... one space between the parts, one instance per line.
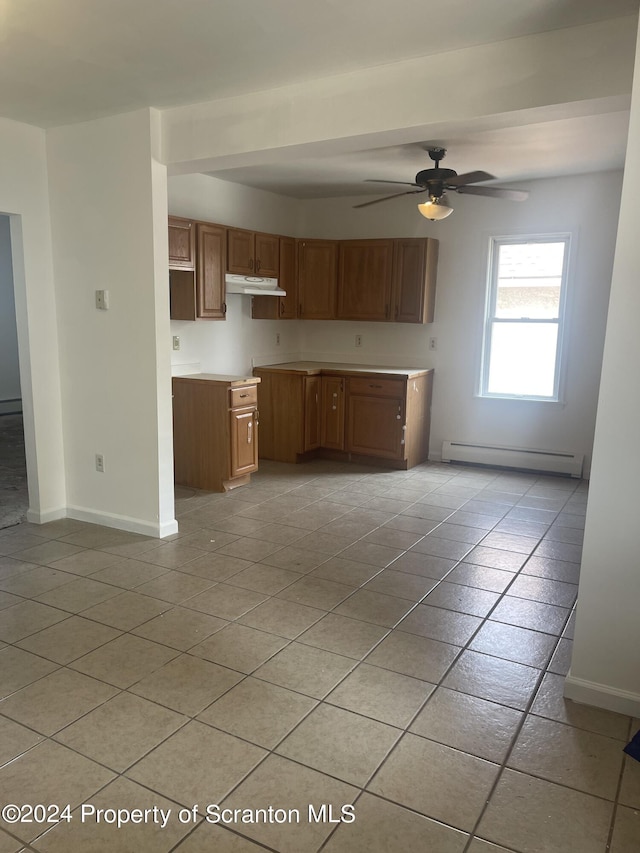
x=605 y=668
x=557 y=205
x=9 y=367
x=229 y=346
x=108 y=213
x=24 y=195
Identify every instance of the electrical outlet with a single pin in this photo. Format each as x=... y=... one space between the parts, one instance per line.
x=176 y=342
x=433 y=343
x=102 y=300
x=277 y=339
x=358 y=340
x=100 y=463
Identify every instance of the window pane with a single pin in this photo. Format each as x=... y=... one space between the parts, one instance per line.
x=529 y=277
x=523 y=359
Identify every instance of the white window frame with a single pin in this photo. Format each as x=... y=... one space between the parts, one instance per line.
x=490 y=319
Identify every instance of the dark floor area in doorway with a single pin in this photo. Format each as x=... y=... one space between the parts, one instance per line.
x=14 y=497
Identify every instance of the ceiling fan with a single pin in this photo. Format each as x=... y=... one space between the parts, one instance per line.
x=437 y=182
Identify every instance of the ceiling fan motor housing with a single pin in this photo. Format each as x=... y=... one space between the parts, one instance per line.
x=430 y=177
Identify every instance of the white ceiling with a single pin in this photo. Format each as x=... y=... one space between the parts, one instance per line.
x=63 y=61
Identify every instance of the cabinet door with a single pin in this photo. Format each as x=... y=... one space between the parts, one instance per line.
x=280 y=307
x=241 y=251
x=312 y=390
x=332 y=426
x=267 y=255
x=212 y=256
x=364 y=280
x=414 y=280
x=244 y=441
x=317 y=279
x=375 y=426
x=182 y=243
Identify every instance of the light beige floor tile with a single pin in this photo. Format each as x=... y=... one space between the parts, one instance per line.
x=472 y=519
x=78 y=595
x=324 y=543
x=401 y=584
x=293 y=786
x=555 y=818
x=546 y=567
x=481 y=577
x=340 y=743
x=239 y=647
x=413 y=655
x=180 y=628
x=511 y=643
x=349 y=637
x=278 y=533
x=175 y=587
x=381 y=694
x=384 y=610
x=383 y=826
x=171 y=555
x=279 y=710
x=531 y=614
x=47 y=552
x=348 y=572
x=127 y=610
x=559 y=551
x=454 y=789
x=573 y=757
x=467 y=723
x=544 y=589
x=28 y=617
x=294 y=559
x=247 y=548
x=216 y=567
x=438 y=546
x=283 y=618
x=459 y=533
x=92 y=835
x=95 y=536
x=372 y=554
x=20 y=668
x=209 y=837
x=411 y=524
x=37 y=580
x=186 y=684
x=65 y=641
x=497 y=680
x=124 y=660
x=626 y=831
x=265 y=579
x=207 y=540
x=128 y=573
x=176 y=770
x=511 y=541
x=11 y=542
x=561 y=660
x=316 y=592
x=630 y=789
x=550 y=703
x=8 y=600
x=10 y=567
x=393 y=538
x=306 y=669
x=225 y=601
x=423 y=564
x=495 y=558
x=463 y=599
x=9 y=844
x=131 y=549
x=85 y=562
x=15 y=739
x=121 y=731
x=50 y=773
x=447 y=626
x=56 y=700
x=480 y=846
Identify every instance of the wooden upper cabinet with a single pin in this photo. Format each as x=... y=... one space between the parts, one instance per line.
x=364 y=279
x=317 y=279
x=210 y=271
x=414 y=280
x=251 y=253
x=281 y=307
x=182 y=243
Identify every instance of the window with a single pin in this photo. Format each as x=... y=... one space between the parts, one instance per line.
x=524 y=317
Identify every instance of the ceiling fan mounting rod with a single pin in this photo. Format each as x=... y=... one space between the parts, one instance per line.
x=436 y=154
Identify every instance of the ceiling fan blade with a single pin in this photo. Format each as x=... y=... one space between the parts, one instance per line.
x=494 y=192
x=470 y=178
x=405 y=183
x=387 y=197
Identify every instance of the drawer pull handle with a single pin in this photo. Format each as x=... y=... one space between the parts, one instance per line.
x=244 y=395
x=249 y=431
x=371 y=385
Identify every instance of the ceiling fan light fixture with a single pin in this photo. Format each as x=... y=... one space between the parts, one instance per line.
x=435 y=209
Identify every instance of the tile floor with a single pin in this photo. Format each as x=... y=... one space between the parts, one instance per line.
x=329 y=635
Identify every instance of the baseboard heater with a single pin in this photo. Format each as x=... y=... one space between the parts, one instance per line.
x=521 y=458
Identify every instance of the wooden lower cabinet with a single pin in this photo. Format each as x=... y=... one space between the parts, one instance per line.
x=344 y=414
x=215 y=431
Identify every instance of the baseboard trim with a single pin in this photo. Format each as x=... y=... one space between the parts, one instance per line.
x=106 y=519
x=602 y=696
x=11 y=407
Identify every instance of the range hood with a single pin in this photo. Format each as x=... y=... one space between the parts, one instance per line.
x=253 y=285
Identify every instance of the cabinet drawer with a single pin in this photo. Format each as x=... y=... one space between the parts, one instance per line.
x=371 y=387
x=244 y=396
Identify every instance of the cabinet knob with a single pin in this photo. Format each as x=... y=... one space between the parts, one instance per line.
x=250 y=263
